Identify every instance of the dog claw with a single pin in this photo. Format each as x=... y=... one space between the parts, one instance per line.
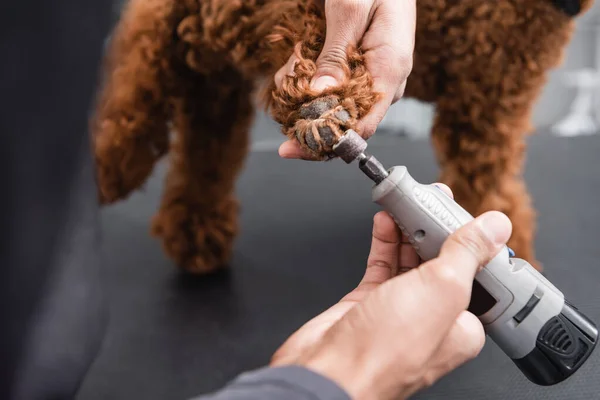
x=321 y=123
x=310 y=140
x=343 y=115
x=318 y=107
x=327 y=135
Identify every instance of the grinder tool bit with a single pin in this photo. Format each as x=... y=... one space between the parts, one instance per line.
x=522 y=312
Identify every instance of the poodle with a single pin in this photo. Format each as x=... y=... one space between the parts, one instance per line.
x=181 y=78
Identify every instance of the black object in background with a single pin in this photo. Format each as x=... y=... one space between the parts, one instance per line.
x=52 y=314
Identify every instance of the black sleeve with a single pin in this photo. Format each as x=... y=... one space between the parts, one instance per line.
x=52 y=314
x=283 y=383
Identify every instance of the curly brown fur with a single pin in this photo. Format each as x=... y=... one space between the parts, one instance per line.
x=190 y=66
x=130 y=126
x=484 y=92
x=197 y=220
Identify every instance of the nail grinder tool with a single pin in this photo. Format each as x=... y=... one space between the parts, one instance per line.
x=522 y=312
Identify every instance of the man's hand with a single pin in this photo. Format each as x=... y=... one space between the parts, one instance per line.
x=385 y=30
x=394 y=335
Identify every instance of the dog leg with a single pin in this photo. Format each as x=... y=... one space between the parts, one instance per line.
x=197 y=220
x=493 y=62
x=129 y=127
x=481 y=150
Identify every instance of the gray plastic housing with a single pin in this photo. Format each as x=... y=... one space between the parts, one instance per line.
x=428 y=216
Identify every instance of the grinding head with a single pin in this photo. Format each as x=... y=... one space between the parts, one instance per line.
x=350 y=146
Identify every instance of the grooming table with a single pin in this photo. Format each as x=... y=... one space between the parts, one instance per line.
x=173 y=337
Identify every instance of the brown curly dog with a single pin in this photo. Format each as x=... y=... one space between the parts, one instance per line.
x=192 y=67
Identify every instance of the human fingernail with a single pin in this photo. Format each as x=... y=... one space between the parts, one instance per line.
x=287 y=155
x=443 y=188
x=291 y=150
x=284 y=150
x=496 y=226
x=324 y=82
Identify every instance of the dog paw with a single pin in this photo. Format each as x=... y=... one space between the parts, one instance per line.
x=321 y=123
x=199 y=240
x=118 y=178
x=124 y=166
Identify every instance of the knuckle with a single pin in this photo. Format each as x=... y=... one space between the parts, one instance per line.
x=334 y=56
x=399 y=56
x=450 y=277
x=447 y=279
x=392 y=64
x=363 y=287
x=428 y=379
x=415 y=365
x=379 y=263
x=405 y=65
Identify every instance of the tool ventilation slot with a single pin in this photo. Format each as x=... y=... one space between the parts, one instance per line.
x=557 y=337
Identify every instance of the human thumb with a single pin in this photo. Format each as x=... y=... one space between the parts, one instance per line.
x=324 y=82
x=347 y=22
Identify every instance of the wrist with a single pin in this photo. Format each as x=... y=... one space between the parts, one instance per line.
x=350 y=372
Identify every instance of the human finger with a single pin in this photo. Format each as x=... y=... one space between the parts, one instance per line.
x=389 y=47
x=382 y=263
x=474 y=245
x=347 y=21
x=291 y=149
x=463 y=343
x=446 y=281
x=286 y=70
x=444 y=188
x=409 y=258
x=381 y=266
x=440 y=289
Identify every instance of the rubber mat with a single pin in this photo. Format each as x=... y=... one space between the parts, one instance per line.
x=304 y=241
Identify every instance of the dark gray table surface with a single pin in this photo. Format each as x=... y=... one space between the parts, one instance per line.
x=304 y=240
